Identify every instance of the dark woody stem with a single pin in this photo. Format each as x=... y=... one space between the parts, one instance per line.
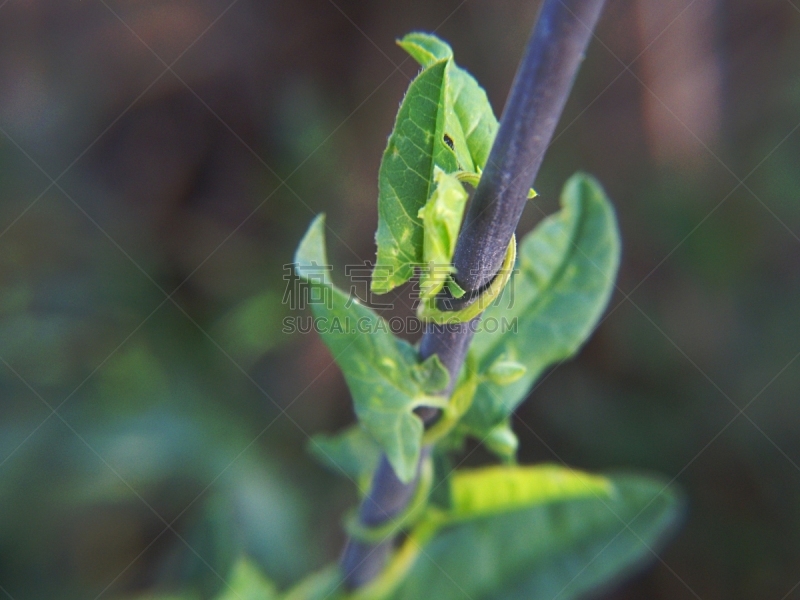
x=539 y=92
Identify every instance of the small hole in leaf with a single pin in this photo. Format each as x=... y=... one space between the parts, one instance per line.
x=449 y=141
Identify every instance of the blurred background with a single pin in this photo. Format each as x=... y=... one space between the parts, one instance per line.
x=159 y=161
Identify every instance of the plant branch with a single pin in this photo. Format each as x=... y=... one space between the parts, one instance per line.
x=539 y=92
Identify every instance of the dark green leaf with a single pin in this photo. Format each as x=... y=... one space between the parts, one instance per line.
x=382 y=371
x=557 y=549
x=567 y=268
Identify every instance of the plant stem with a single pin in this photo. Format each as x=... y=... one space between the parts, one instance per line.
x=539 y=92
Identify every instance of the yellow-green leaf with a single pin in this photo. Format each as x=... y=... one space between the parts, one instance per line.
x=480 y=492
x=441 y=217
x=504 y=372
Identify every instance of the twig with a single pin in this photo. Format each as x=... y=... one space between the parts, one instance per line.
x=539 y=92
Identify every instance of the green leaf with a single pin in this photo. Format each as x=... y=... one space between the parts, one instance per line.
x=489 y=490
x=504 y=372
x=445 y=120
x=502 y=440
x=311 y=257
x=480 y=493
x=554 y=549
x=458 y=404
x=431 y=375
x=246 y=582
x=465 y=98
x=428 y=311
x=441 y=217
x=425 y=48
x=567 y=268
x=382 y=371
x=405 y=179
x=325 y=584
x=455 y=290
x=352 y=453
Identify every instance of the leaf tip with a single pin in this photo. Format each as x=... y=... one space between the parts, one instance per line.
x=425 y=48
x=311 y=258
x=431 y=374
x=581 y=183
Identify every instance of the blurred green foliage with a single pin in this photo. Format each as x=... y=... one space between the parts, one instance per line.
x=203 y=192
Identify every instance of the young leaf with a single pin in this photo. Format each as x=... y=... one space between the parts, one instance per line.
x=567 y=268
x=352 y=453
x=431 y=375
x=427 y=50
x=502 y=441
x=455 y=290
x=405 y=179
x=504 y=372
x=246 y=582
x=441 y=217
x=554 y=549
x=456 y=407
x=381 y=370
x=480 y=492
x=464 y=97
